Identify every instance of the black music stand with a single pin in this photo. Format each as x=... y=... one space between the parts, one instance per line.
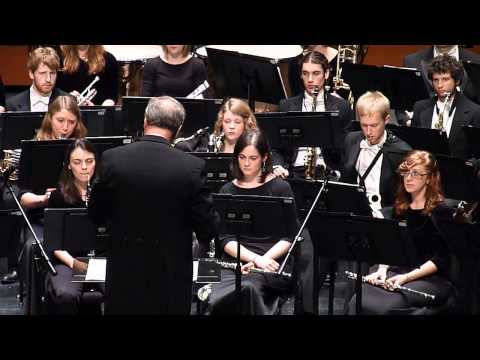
x=72 y=230
x=245 y=215
x=217 y=167
x=362 y=239
x=246 y=76
x=100 y=120
x=458 y=176
x=473 y=139
x=402 y=86
x=17 y=126
x=431 y=140
x=199 y=113
x=473 y=71
x=41 y=161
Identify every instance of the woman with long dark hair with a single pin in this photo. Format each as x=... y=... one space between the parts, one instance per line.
x=419 y=201
x=252 y=169
x=79 y=169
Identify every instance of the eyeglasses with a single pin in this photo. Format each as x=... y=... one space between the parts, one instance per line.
x=414 y=174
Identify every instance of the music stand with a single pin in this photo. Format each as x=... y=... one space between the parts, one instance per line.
x=199 y=113
x=473 y=140
x=402 y=86
x=217 y=166
x=458 y=177
x=245 y=76
x=473 y=72
x=99 y=120
x=362 y=239
x=256 y=216
x=41 y=161
x=17 y=126
x=72 y=230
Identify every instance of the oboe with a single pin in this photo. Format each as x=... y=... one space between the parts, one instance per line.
x=353 y=276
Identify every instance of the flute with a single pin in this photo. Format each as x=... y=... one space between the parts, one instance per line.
x=353 y=276
x=230 y=265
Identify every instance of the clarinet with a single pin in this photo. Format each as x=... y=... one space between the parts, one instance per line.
x=353 y=276
x=233 y=266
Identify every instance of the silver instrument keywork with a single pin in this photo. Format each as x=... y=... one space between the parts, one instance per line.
x=353 y=276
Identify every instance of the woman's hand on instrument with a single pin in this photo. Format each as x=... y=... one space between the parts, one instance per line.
x=378 y=277
x=81 y=103
x=265 y=263
x=280 y=171
x=394 y=281
x=47 y=195
x=246 y=267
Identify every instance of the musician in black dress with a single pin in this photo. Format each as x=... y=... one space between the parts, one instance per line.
x=81 y=64
x=79 y=167
x=419 y=201
x=252 y=168
x=175 y=73
x=234 y=118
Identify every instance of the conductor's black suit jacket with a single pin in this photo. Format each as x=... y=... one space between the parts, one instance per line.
x=154 y=196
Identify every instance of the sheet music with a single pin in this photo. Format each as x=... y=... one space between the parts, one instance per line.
x=195 y=270
x=96 y=270
x=198 y=92
x=399 y=67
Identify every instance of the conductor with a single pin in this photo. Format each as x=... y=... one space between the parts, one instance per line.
x=154 y=197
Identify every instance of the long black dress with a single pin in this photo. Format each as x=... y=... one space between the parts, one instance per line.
x=64 y=295
x=260 y=292
x=430 y=246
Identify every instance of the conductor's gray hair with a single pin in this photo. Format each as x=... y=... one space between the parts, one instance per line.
x=165 y=112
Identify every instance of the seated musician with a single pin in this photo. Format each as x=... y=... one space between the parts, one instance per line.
x=43 y=64
x=252 y=168
x=361 y=165
x=176 y=72
x=315 y=71
x=419 y=201
x=79 y=168
x=234 y=118
x=80 y=64
x=447 y=113
x=62 y=121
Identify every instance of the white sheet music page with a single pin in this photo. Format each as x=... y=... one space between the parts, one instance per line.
x=96 y=270
x=195 y=270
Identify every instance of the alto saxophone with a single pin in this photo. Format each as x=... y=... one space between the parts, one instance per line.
x=312 y=156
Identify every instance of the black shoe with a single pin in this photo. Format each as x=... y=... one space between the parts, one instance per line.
x=10 y=278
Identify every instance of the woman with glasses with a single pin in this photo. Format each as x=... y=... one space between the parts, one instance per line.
x=419 y=201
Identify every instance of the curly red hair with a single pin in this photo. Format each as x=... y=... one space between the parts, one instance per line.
x=433 y=194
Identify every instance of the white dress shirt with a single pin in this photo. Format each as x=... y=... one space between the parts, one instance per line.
x=365 y=158
x=448 y=114
x=38 y=102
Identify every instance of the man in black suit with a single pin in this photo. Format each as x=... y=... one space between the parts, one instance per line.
x=366 y=159
x=421 y=59
x=42 y=66
x=314 y=73
x=448 y=113
x=155 y=196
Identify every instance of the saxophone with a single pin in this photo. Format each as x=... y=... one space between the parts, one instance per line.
x=312 y=156
x=11 y=158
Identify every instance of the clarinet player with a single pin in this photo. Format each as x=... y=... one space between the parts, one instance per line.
x=419 y=201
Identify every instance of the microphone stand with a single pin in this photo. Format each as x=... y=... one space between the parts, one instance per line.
x=39 y=244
